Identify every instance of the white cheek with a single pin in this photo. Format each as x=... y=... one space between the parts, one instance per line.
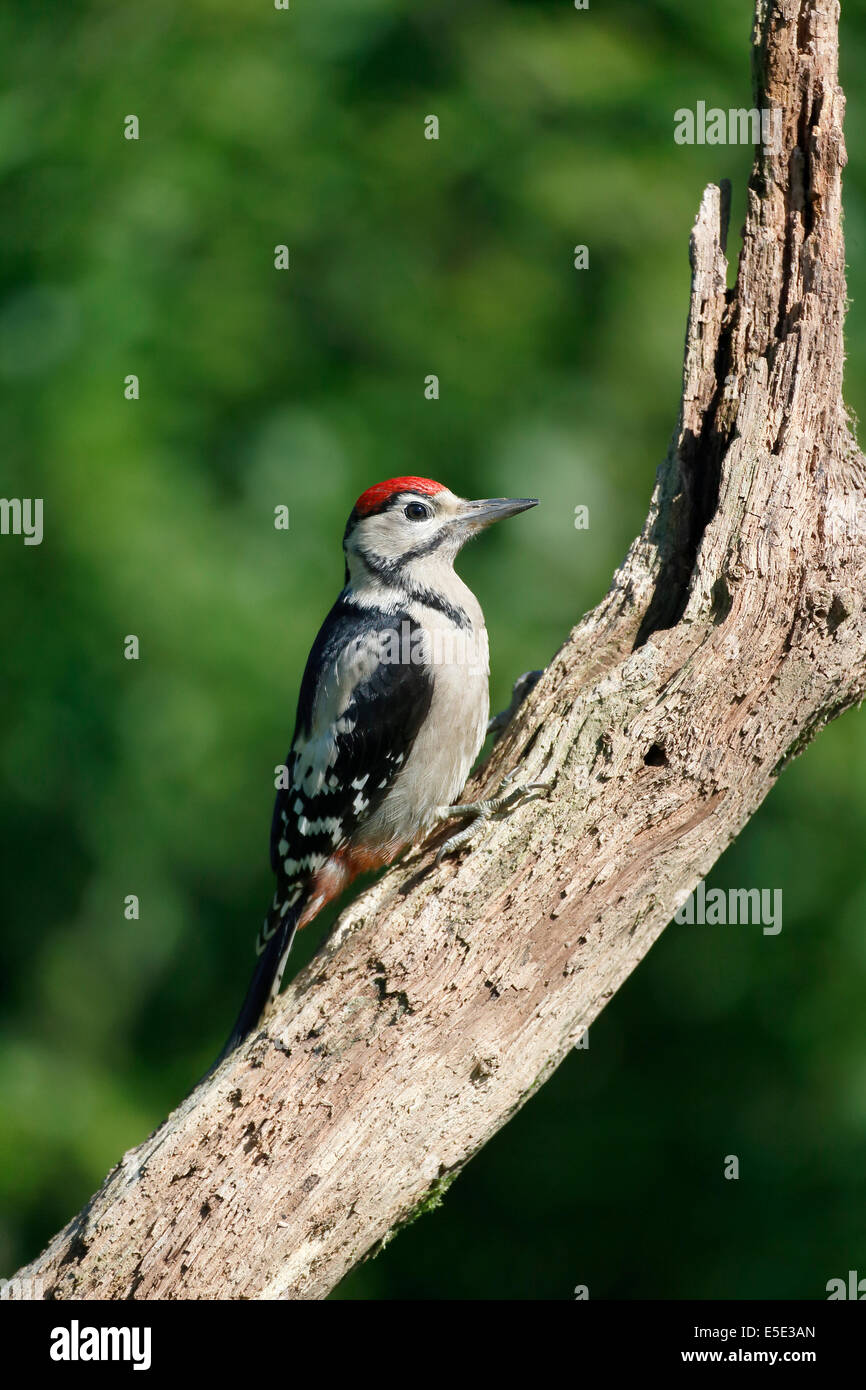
x=392 y=541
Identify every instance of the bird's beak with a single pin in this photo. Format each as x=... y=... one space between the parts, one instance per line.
x=476 y=515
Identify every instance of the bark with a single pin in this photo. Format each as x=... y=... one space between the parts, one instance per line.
x=732 y=632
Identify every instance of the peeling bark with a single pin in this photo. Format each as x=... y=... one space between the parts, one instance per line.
x=732 y=632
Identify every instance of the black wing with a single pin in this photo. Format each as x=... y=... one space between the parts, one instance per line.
x=365 y=693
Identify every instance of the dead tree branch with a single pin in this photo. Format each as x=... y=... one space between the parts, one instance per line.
x=732 y=632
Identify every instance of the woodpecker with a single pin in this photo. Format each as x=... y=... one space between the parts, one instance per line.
x=392 y=712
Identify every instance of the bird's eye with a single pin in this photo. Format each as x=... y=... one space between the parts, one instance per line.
x=416 y=511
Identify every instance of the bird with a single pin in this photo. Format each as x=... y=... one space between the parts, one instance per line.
x=392 y=712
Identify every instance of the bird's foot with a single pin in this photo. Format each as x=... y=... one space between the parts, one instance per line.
x=477 y=812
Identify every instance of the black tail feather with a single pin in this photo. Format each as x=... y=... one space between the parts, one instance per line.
x=267 y=975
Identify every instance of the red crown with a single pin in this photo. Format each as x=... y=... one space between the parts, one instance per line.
x=375 y=497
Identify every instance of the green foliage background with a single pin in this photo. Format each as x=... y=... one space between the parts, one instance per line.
x=258 y=387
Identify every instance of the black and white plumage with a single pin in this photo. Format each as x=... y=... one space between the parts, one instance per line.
x=392 y=711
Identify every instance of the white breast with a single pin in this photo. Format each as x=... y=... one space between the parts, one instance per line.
x=451 y=736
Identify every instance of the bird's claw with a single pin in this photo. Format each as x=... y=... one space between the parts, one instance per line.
x=480 y=811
